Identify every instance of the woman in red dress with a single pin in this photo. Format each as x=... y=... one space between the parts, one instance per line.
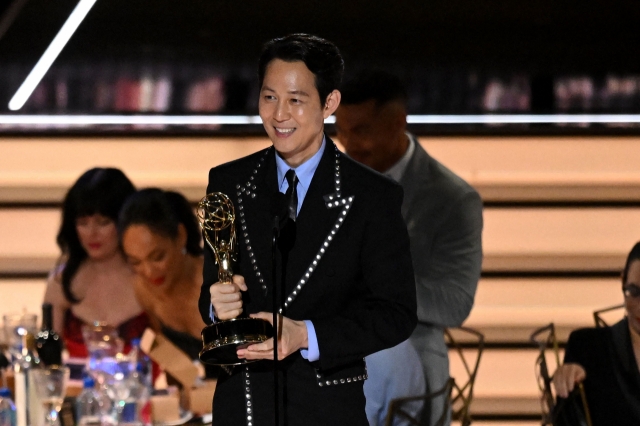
x=93 y=282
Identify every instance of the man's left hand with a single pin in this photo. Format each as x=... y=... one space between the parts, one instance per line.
x=292 y=337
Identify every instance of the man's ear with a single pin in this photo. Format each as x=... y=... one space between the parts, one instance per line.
x=332 y=103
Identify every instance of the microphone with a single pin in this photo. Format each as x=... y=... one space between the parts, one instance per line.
x=279 y=211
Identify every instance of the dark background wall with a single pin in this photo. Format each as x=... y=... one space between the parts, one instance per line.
x=455 y=56
x=592 y=36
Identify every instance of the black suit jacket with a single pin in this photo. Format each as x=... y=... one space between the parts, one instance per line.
x=349 y=272
x=612 y=385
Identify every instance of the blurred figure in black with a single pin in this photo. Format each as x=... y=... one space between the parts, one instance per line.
x=607 y=360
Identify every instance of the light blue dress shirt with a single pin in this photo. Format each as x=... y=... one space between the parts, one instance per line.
x=304 y=172
x=393 y=373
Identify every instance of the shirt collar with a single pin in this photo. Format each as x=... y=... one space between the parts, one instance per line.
x=304 y=171
x=396 y=171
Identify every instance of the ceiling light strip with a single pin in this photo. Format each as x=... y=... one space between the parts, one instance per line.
x=49 y=56
x=186 y=120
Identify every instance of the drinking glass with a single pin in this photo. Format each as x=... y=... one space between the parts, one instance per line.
x=51 y=385
x=15 y=327
x=104 y=347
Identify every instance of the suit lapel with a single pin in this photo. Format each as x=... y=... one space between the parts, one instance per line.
x=254 y=197
x=414 y=177
x=323 y=211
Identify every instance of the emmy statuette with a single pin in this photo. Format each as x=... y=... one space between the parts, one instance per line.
x=222 y=339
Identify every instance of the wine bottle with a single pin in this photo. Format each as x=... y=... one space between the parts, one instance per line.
x=48 y=342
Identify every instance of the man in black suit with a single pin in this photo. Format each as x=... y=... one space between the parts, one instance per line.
x=348 y=280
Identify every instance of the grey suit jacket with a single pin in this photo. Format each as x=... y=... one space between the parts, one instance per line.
x=443 y=214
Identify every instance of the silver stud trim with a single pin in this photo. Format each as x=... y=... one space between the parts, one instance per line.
x=323 y=382
x=249 y=188
x=305 y=278
x=247 y=396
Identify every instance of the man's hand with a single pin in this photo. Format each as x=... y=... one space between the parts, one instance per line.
x=226 y=298
x=566 y=377
x=292 y=337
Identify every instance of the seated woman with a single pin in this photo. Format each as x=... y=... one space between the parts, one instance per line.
x=607 y=360
x=162 y=241
x=93 y=281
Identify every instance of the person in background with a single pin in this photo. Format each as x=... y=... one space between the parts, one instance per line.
x=607 y=360
x=92 y=281
x=393 y=373
x=161 y=239
x=443 y=214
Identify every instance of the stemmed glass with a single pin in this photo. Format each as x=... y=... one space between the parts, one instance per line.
x=51 y=385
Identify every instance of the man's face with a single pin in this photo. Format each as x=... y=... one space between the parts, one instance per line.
x=291 y=111
x=632 y=303
x=370 y=133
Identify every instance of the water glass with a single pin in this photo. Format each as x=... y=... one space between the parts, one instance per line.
x=50 y=385
x=104 y=347
x=15 y=327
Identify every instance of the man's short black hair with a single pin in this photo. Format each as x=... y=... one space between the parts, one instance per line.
x=320 y=56
x=379 y=85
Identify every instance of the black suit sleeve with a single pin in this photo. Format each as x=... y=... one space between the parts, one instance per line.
x=382 y=312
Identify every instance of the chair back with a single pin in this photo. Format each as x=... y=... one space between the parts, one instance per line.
x=601 y=316
x=467 y=346
x=555 y=414
x=397 y=407
x=545 y=339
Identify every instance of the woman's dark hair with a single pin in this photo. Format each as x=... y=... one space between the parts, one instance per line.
x=162 y=212
x=320 y=56
x=98 y=191
x=634 y=255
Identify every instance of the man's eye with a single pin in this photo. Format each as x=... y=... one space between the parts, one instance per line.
x=632 y=290
x=158 y=257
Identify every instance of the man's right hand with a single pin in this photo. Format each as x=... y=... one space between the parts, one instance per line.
x=566 y=377
x=226 y=298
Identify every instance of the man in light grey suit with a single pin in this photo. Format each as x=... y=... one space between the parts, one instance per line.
x=443 y=214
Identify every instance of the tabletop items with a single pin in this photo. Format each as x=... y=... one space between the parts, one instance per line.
x=117 y=385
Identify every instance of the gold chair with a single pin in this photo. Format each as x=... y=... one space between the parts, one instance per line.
x=460 y=396
x=398 y=407
x=545 y=339
x=598 y=316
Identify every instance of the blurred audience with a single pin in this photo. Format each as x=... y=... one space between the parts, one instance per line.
x=607 y=360
x=92 y=281
x=162 y=241
x=442 y=212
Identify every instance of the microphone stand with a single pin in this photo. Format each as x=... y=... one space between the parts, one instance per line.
x=276 y=388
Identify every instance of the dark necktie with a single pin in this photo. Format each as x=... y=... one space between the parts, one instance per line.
x=292 y=194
